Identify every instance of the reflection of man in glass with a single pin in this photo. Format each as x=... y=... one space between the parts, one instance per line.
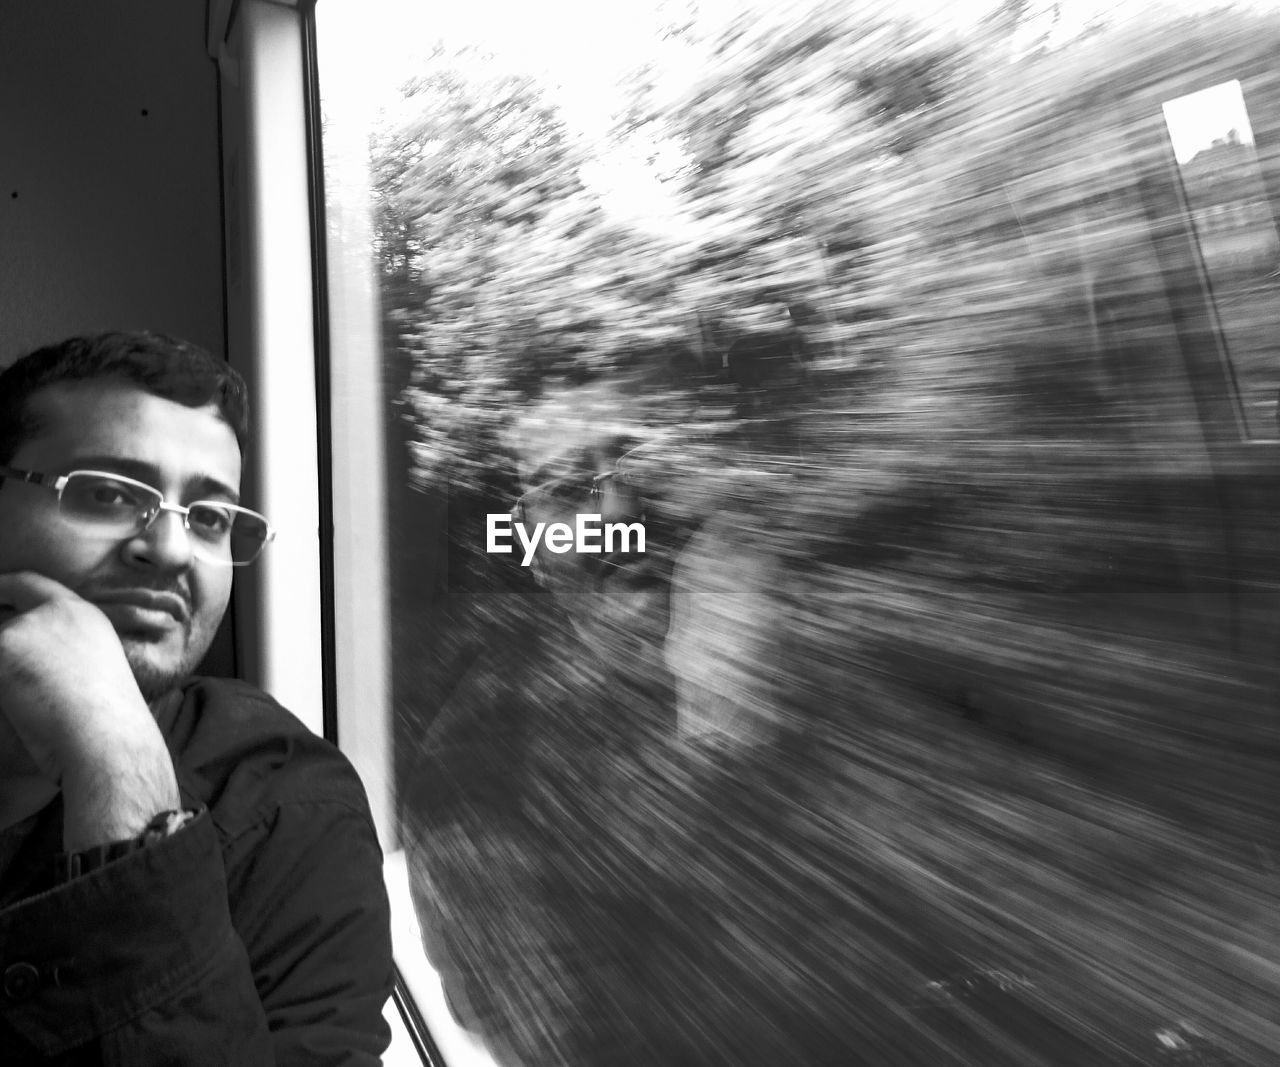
x=694 y=605
x=806 y=858
x=616 y=601
x=553 y=768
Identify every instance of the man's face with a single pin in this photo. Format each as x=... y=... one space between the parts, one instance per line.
x=187 y=454
x=617 y=603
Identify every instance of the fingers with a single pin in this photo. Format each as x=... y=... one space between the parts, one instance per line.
x=20 y=591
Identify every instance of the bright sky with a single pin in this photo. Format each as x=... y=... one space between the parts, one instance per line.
x=1197 y=120
x=580 y=48
x=370 y=47
x=582 y=45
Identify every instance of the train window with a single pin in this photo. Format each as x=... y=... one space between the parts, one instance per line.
x=1236 y=228
x=801 y=595
x=375 y=628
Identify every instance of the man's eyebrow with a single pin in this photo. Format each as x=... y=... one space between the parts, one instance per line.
x=201 y=487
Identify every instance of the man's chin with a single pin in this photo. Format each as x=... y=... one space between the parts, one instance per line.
x=156 y=667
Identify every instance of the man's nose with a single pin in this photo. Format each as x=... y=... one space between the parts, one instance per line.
x=617 y=501
x=163 y=542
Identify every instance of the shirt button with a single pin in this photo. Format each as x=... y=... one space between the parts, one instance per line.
x=21 y=981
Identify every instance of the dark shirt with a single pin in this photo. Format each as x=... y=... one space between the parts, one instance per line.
x=258 y=934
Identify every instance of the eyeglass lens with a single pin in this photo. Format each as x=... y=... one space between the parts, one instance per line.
x=120 y=507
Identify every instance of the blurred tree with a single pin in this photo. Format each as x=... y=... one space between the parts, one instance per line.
x=502 y=267
x=993 y=522
x=796 y=136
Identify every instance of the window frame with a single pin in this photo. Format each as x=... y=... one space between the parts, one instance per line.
x=340 y=679
x=276 y=297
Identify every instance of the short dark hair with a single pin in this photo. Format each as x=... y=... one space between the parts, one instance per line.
x=164 y=366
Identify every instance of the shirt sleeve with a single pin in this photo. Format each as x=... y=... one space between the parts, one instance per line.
x=144 y=958
x=319 y=923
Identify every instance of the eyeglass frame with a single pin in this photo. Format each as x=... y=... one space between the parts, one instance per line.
x=58 y=483
x=517 y=509
x=597 y=480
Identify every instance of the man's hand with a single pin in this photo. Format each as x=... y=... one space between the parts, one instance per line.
x=67 y=691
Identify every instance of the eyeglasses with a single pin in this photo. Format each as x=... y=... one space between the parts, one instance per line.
x=113 y=506
x=570 y=489
x=567 y=491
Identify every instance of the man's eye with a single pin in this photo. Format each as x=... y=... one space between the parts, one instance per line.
x=572 y=489
x=561 y=491
x=107 y=495
x=210 y=521
x=111 y=495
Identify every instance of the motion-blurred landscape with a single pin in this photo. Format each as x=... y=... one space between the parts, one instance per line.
x=941 y=723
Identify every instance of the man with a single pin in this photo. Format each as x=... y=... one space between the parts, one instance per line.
x=615 y=599
x=693 y=608
x=542 y=768
x=187 y=875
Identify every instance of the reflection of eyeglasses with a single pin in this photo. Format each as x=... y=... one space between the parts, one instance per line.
x=567 y=490
x=114 y=506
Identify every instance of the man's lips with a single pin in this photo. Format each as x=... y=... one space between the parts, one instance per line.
x=148 y=600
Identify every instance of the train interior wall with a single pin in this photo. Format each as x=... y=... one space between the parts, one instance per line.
x=110 y=181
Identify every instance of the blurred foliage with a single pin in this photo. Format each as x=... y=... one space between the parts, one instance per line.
x=504 y=272
x=915 y=335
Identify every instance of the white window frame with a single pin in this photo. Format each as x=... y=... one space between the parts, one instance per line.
x=272 y=298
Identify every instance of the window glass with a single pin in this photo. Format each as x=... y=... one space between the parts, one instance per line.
x=794 y=605
x=1235 y=224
